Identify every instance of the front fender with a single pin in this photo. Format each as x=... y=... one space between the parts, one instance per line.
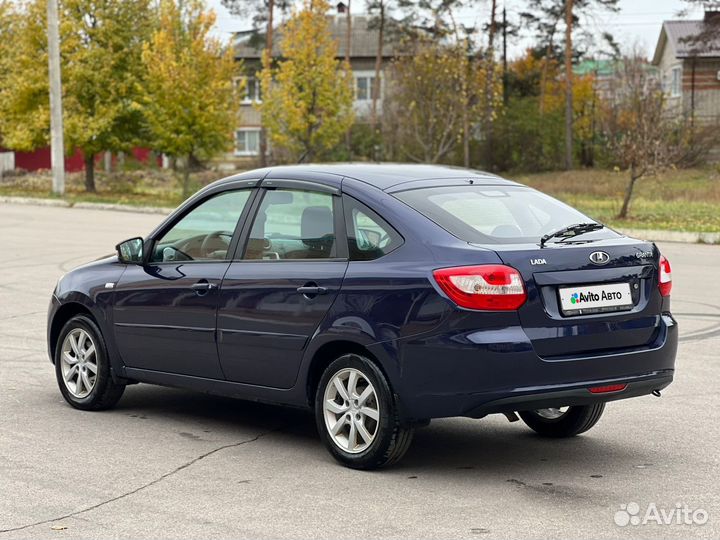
x=88 y=288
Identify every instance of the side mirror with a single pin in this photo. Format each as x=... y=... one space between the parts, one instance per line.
x=131 y=251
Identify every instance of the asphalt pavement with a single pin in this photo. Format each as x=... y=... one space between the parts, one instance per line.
x=169 y=463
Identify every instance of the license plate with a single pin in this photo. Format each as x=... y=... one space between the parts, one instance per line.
x=595 y=298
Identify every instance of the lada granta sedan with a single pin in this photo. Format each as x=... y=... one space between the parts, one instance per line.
x=380 y=297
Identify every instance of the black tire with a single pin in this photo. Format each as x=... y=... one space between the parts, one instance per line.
x=392 y=438
x=576 y=420
x=105 y=392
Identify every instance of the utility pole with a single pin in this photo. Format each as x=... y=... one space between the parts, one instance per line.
x=267 y=57
x=57 y=150
x=568 y=85
x=505 y=71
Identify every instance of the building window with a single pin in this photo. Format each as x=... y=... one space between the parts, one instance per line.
x=252 y=92
x=364 y=87
x=247 y=142
x=676 y=82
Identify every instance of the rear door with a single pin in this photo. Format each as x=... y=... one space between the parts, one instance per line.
x=282 y=283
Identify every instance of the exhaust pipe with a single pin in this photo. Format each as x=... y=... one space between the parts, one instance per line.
x=656 y=393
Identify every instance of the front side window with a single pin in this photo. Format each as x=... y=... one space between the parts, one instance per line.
x=247 y=142
x=496 y=214
x=293 y=224
x=369 y=236
x=204 y=233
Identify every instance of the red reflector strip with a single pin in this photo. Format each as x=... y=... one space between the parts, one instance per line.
x=609 y=388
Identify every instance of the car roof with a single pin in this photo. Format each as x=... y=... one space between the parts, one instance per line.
x=380 y=175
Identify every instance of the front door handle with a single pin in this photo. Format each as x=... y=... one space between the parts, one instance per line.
x=202 y=287
x=311 y=289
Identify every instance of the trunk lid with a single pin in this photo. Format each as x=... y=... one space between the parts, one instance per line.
x=622 y=292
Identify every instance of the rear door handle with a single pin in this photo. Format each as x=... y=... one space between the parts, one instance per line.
x=311 y=289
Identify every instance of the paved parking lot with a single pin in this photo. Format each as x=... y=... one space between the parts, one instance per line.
x=169 y=463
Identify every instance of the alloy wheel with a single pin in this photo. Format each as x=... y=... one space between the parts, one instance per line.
x=351 y=410
x=552 y=413
x=79 y=363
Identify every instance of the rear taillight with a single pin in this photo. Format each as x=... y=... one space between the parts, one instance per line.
x=492 y=287
x=665 y=277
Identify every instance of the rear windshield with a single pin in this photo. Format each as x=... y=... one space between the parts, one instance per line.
x=496 y=214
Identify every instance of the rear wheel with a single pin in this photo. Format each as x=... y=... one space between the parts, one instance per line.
x=563 y=421
x=82 y=367
x=357 y=417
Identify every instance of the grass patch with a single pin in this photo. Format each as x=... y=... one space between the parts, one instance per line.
x=146 y=187
x=684 y=200
x=681 y=200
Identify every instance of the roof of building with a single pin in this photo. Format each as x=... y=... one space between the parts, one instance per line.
x=676 y=33
x=364 y=42
x=380 y=175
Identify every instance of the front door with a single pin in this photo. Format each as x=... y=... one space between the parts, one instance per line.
x=274 y=298
x=165 y=310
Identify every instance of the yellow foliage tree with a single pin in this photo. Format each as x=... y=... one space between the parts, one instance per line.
x=423 y=110
x=101 y=73
x=307 y=98
x=190 y=104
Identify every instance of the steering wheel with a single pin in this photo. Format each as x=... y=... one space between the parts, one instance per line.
x=205 y=248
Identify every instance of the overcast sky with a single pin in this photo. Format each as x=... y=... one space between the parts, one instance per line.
x=637 y=23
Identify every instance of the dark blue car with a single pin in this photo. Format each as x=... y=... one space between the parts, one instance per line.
x=381 y=296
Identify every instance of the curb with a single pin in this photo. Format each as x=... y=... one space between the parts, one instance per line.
x=652 y=235
x=58 y=203
x=673 y=236
x=123 y=208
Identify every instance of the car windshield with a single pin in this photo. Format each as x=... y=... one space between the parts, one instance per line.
x=496 y=214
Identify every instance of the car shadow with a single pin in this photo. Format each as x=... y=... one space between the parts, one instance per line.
x=456 y=447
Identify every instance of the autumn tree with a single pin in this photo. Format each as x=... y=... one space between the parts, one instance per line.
x=189 y=102
x=24 y=98
x=546 y=17
x=101 y=43
x=639 y=134
x=423 y=109
x=262 y=13
x=378 y=12
x=307 y=98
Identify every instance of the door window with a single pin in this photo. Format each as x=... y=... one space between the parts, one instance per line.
x=369 y=235
x=205 y=232
x=293 y=224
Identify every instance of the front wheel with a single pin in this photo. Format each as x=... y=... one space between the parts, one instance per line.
x=563 y=421
x=357 y=417
x=82 y=367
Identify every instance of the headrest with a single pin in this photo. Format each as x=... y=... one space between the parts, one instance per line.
x=316 y=226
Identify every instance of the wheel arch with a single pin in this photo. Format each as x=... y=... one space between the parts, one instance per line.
x=63 y=314
x=330 y=351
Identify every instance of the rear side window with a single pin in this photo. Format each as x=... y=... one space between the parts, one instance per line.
x=369 y=236
x=293 y=224
x=496 y=214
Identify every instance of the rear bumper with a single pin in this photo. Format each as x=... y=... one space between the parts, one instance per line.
x=497 y=370
x=639 y=386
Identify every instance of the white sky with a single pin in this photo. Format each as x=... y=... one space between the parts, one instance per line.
x=637 y=23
